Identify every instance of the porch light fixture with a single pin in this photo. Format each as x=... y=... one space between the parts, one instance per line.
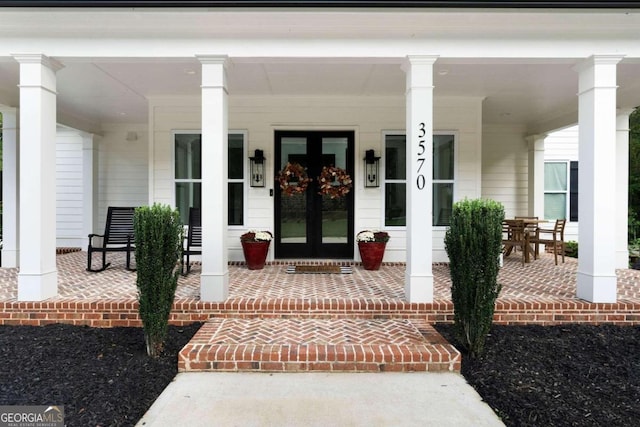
x=257 y=169
x=371 y=169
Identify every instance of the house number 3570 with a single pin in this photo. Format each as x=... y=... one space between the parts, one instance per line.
x=421 y=180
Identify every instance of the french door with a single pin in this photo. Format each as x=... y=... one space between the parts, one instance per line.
x=308 y=224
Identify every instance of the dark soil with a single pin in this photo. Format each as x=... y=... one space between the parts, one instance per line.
x=573 y=375
x=570 y=375
x=103 y=377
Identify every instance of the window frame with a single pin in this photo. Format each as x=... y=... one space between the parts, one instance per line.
x=245 y=166
x=566 y=192
x=384 y=180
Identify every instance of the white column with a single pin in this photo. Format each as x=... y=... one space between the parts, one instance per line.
x=622 y=188
x=10 y=200
x=89 y=184
x=419 y=111
x=38 y=277
x=597 y=156
x=536 y=175
x=214 y=279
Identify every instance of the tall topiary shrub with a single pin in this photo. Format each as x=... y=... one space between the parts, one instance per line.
x=474 y=243
x=158 y=237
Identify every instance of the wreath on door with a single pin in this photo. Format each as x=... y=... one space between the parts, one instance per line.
x=334 y=182
x=293 y=179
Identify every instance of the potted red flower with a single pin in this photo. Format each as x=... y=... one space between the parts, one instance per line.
x=372 y=245
x=255 y=246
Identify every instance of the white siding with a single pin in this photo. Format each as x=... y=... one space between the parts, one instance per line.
x=505 y=168
x=563 y=145
x=368 y=117
x=69 y=197
x=122 y=170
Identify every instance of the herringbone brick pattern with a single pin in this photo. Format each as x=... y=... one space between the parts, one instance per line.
x=319 y=345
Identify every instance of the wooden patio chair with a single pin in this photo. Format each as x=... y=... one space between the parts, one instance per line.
x=551 y=237
x=516 y=237
x=193 y=245
x=117 y=237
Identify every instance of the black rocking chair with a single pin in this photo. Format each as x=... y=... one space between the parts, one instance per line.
x=117 y=237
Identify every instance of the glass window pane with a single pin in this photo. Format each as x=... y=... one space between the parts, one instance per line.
x=555 y=177
x=236 y=156
x=443 y=157
x=395 y=206
x=442 y=203
x=555 y=206
x=236 y=203
x=188 y=194
x=395 y=159
x=188 y=151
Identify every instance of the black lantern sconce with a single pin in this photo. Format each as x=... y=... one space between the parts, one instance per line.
x=257 y=169
x=371 y=169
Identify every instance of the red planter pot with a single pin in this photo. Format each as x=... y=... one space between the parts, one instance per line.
x=255 y=254
x=371 y=254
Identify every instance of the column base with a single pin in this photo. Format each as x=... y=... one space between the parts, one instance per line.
x=214 y=287
x=622 y=259
x=37 y=287
x=597 y=289
x=418 y=288
x=9 y=258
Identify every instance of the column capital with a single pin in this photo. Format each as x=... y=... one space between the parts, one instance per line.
x=38 y=58
x=213 y=59
x=602 y=59
x=536 y=142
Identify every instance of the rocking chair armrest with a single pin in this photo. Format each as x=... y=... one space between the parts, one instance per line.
x=92 y=235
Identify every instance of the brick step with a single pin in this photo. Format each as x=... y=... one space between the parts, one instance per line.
x=303 y=344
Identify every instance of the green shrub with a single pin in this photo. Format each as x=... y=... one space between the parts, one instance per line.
x=474 y=243
x=571 y=249
x=158 y=236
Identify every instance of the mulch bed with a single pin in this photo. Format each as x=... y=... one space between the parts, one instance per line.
x=103 y=377
x=570 y=375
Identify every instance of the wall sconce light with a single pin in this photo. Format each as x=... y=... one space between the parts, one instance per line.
x=257 y=169
x=371 y=169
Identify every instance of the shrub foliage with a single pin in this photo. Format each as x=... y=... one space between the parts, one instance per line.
x=474 y=243
x=158 y=236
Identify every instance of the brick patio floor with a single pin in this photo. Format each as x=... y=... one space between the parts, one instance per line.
x=277 y=321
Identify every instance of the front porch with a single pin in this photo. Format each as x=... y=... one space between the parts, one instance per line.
x=538 y=292
x=275 y=321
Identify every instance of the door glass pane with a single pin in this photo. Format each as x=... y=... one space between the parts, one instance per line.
x=293 y=209
x=335 y=224
x=395 y=206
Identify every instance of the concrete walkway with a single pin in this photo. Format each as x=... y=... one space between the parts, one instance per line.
x=319 y=399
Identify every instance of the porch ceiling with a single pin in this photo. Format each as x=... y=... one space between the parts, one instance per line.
x=538 y=95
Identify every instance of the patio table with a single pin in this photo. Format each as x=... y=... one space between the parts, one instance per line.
x=530 y=225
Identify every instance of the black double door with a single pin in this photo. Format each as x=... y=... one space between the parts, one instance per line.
x=308 y=224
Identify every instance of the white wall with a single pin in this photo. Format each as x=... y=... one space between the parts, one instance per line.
x=368 y=117
x=122 y=170
x=69 y=190
x=563 y=145
x=505 y=168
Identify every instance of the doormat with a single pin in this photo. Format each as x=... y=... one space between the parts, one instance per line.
x=319 y=269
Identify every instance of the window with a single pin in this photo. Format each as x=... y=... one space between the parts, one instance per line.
x=561 y=190
x=395 y=181
x=443 y=168
x=395 y=211
x=188 y=174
